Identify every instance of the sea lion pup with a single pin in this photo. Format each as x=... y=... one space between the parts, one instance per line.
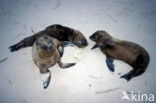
x=129 y=52
x=57 y=31
x=46 y=52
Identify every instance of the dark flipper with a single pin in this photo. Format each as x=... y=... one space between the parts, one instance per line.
x=15 y=47
x=46 y=83
x=65 y=65
x=139 y=67
x=127 y=76
x=23 y=43
x=132 y=73
x=67 y=43
x=110 y=64
x=60 y=49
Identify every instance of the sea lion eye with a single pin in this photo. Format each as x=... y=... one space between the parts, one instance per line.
x=96 y=36
x=79 y=42
x=44 y=47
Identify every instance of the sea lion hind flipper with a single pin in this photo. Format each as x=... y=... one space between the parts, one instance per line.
x=129 y=75
x=139 y=67
x=67 y=43
x=110 y=65
x=46 y=83
x=65 y=65
x=126 y=77
x=29 y=41
x=133 y=73
x=15 y=47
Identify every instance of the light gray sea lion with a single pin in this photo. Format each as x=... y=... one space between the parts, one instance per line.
x=57 y=31
x=129 y=52
x=46 y=52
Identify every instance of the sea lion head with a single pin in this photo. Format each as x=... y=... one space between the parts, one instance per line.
x=79 y=39
x=45 y=44
x=101 y=38
x=99 y=35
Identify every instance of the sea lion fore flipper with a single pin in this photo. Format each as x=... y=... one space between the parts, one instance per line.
x=65 y=65
x=60 y=50
x=110 y=65
x=60 y=47
x=47 y=81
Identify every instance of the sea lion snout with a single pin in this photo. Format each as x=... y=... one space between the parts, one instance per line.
x=98 y=44
x=47 y=48
x=81 y=43
x=84 y=42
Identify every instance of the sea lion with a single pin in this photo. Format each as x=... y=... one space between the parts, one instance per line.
x=129 y=52
x=46 y=52
x=57 y=31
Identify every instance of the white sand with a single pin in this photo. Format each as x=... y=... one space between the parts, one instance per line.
x=89 y=81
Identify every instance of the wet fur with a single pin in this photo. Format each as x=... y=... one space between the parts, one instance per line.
x=127 y=51
x=57 y=31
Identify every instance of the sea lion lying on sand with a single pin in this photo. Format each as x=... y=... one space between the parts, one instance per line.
x=127 y=51
x=46 y=52
x=57 y=31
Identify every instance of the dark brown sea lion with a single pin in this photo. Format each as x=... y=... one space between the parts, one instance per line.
x=46 y=52
x=57 y=31
x=127 y=51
